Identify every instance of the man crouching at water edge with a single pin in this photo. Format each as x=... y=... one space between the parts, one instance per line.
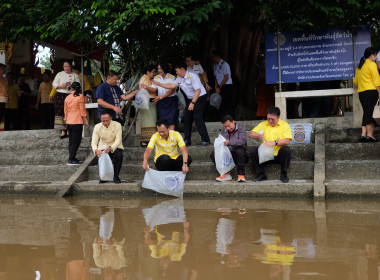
x=236 y=141
x=166 y=143
x=276 y=134
x=108 y=133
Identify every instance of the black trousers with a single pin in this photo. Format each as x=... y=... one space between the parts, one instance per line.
x=197 y=116
x=2 y=111
x=283 y=157
x=75 y=137
x=117 y=159
x=166 y=163
x=227 y=105
x=368 y=99
x=240 y=157
x=11 y=116
x=47 y=115
x=23 y=111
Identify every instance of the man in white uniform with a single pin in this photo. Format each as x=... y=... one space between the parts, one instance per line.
x=196 y=100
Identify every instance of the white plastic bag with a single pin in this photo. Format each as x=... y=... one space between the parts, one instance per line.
x=142 y=100
x=223 y=158
x=181 y=101
x=215 y=100
x=167 y=212
x=166 y=182
x=105 y=167
x=265 y=153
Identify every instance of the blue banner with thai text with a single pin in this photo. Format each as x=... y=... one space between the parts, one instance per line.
x=316 y=55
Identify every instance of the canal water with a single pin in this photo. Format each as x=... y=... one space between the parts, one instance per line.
x=191 y=239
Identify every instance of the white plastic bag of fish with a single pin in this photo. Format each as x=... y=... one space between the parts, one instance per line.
x=166 y=182
x=223 y=158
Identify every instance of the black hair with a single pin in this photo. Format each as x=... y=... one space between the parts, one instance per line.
x=77 y=68
x=273 y=111
x=181 y=65
x=165 y=67
x=217 y=53
x=149 y=68
x=112 y=73
x=2 y=65
x=227 y=118
x=107 y=112
x=77 y=87
x=68 y=61
x=367 y=53
x=162 y=122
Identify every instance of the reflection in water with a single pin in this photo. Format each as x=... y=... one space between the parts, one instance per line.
x=157 y=239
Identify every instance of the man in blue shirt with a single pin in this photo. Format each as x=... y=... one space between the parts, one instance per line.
x=108 y=95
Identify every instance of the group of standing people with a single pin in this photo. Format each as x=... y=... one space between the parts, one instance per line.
x=14 y=100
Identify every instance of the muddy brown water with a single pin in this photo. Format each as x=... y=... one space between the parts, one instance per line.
x=191 y=239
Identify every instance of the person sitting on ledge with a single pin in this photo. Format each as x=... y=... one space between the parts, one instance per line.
x=166 y=143
x=276 y=134
x=108 y=133
x=236 y=141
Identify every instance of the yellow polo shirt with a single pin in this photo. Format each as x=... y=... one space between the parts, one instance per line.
x=14 y=94
x=166 y=147
x=280 y=131
x=367 y=78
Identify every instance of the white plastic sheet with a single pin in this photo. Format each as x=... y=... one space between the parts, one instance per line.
x=215 y=100
x=105 y=167
x=265 y=153
x=142 y=100
x=167 y=212
x=166 y=182
x=223 y=158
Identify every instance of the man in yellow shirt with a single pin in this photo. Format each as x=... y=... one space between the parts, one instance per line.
x=276 y=134
x=3 y=91
x=11 y=111
x=166 y=143
x=107 y=137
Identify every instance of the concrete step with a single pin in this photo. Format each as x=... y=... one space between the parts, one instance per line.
x=40 y=157
x=32 y=173
x=194 y=188
x=353 y=151
x=352 y=169
x=207 y=171
x=30 y=187
x=353 y=188
x=31 y=144
x=35 y=134
x=350 y=135
x=202 y=153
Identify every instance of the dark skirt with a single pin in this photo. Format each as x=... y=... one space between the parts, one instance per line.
x=59 y=122
x=368 y=99
x=168 y=109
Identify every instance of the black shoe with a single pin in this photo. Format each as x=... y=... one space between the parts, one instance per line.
x=284 y=177
x=363 y=139
x=370 y=139
x=116 y=180
x=73 y=162
x=204 y=143
x=187 y=142
x=63 y=136
x=260 y=177
x=102 y=182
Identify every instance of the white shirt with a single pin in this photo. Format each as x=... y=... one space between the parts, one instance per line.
x=378 y=57
x=220 y=70
x=62 y=77
x=169 y=79
x=197 y=69
x=190 y=83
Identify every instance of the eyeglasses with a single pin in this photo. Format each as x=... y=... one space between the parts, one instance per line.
x=272 y=119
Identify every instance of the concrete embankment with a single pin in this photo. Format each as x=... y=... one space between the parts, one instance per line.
x=334 y=164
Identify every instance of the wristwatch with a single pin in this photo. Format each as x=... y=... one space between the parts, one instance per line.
x=192 y=102
x=275 y=141
x=185 y=162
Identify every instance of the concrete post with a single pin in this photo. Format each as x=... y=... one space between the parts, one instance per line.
x=280 y=102
x=357 y=111
x=319 y=161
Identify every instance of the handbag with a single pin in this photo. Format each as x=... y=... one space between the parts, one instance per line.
x=376 y=112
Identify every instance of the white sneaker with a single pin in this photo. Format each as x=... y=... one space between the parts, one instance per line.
x=225 y=177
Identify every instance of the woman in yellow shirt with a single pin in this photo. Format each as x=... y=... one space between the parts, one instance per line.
x=367 y=80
